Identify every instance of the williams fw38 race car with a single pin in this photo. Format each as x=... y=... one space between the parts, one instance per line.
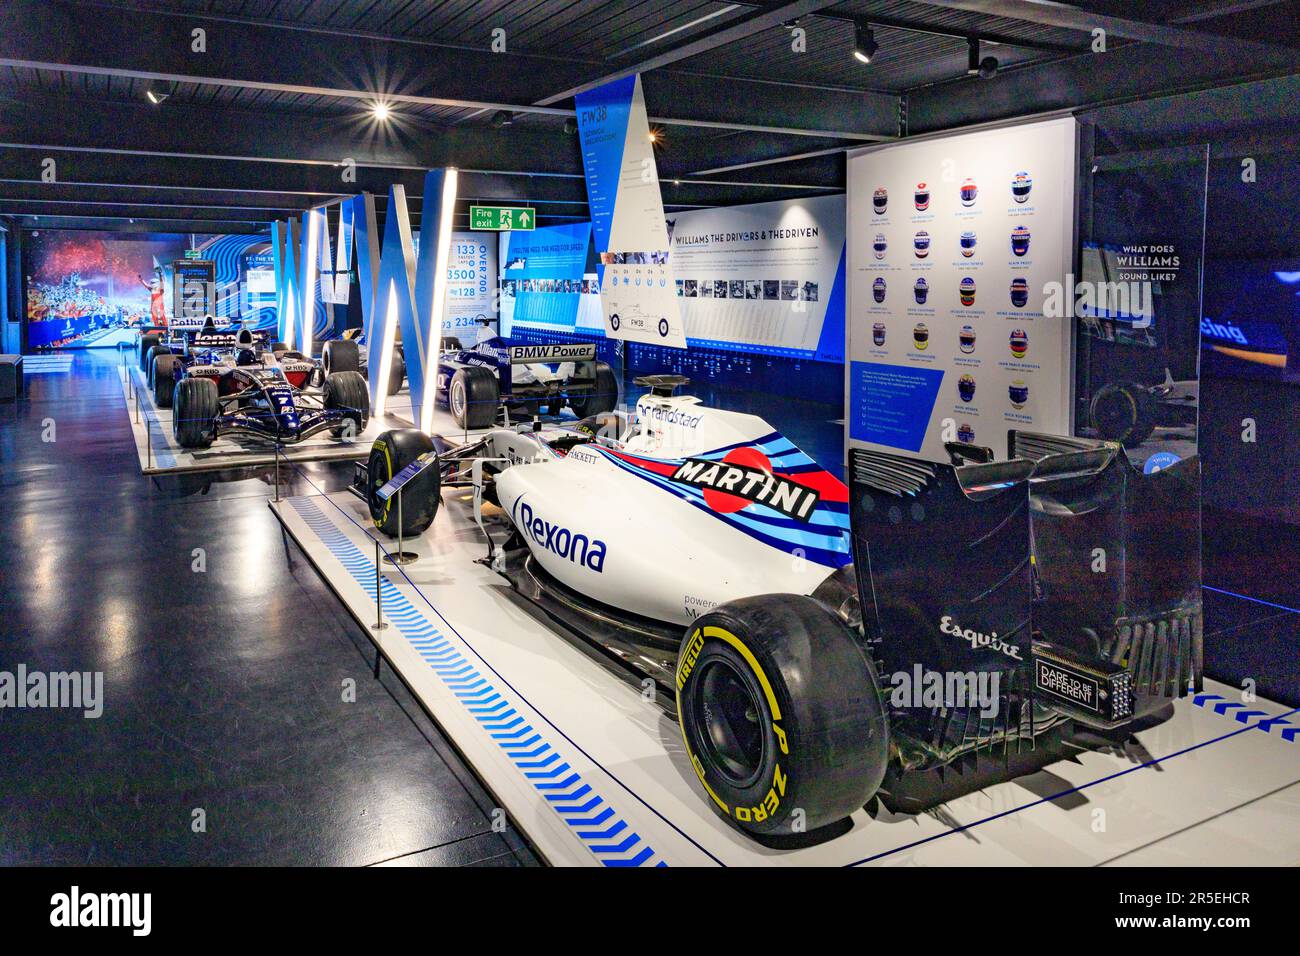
x=233 y=383
x=527 y=380
x=921 y=633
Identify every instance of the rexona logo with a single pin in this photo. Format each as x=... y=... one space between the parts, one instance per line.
x=524 y=354
x=578 y=548
x=977 y=640
x=745 y=477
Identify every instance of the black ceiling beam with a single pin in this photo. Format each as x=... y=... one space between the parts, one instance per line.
x=1126 y=73
x=732 y=31
x=118 y=224
x=109 y=41
x=28 y=207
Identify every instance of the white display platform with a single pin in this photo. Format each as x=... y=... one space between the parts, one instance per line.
x=159 y=453
x=594 y=773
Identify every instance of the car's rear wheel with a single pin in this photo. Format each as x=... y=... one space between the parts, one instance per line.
x=604 y=397
x=421 y=496
x=347 y=392
x=194 y=412
x=782 y=716
x=146 y=343
x=163 y=379
x=398 y=373
x=340 y=355
x=152 y=354
x=473 y=397
x=1124 y=412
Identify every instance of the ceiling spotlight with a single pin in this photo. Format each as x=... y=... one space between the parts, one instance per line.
x=653 y=136
x=503 y=118
x=570 y=125
x=986 y=68
x=865 y=46
x=156 y=94
x=381 y=112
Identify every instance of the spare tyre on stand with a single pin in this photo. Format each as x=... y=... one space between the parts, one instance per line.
x=782 y=716
x=421 y=496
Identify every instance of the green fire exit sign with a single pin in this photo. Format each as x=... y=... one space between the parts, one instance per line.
x=501 y=218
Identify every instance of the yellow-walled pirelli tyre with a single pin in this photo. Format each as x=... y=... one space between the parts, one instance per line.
x=421 y=496
x=781 y=714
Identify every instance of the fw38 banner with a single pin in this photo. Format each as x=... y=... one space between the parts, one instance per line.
x=638 y=290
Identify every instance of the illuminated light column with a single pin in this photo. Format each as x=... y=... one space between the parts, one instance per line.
x=313 y=219
x=393 y=305
x=438 y=299
x=284 y=247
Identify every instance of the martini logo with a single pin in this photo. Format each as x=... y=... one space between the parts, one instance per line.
x=880 y=200
x=968 y=192
x=745 y=477
x=560 y=541
x=1020 y=186
x=922 y=196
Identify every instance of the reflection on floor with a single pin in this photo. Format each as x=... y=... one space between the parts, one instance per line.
x=226 y=662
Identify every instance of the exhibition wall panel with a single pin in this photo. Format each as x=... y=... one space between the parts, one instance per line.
x=959 y=249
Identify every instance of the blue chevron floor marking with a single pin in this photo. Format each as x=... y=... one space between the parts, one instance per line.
x=1225 y=708
x=516 y=738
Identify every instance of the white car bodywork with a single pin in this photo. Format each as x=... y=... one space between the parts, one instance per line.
x=690 y=508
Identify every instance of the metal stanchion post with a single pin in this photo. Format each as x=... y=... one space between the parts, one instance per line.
x=277 y=474
x=379 y=624
x=135 y=398
x=148 y=434
x=400 y=556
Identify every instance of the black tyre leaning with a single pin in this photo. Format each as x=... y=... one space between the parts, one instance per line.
x=194 y=412
x=347 y=392
x=398 y=373
x=340 y=355
x=146 y=343
x=163 y=379
x=603 y=399
x=781 y=711
x=473 y=397
x=1124 y=412
x=421 y=496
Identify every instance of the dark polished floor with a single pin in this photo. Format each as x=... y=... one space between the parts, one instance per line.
x=224 y=688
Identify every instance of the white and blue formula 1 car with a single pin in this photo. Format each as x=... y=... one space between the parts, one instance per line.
x=775 y=605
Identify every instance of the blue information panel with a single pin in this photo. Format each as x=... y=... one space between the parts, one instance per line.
x=891 y=404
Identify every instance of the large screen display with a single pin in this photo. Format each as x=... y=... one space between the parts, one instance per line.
x=1251 y=322
x=88 y=289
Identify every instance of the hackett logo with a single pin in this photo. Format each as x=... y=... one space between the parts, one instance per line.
x=752 y=484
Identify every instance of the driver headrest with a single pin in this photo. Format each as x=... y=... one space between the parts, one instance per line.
x=244 y=338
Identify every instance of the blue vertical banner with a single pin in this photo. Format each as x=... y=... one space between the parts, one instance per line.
x=393 y=304
x=637 y=288
x=284 y=246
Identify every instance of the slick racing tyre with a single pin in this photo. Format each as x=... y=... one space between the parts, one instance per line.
x=163 y=379
x=146 y=343
x=782 y=716
x=1124 y=412
x=603 y=399
x=340 y=355
x=473 y=396
x=194 y=412
x=152 y=354
x=391 y=452
x=347 y=392
x=398 y=373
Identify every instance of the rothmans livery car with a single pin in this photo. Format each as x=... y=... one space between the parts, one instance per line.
x=222 y=383
x=798 y=623
x=525 y=379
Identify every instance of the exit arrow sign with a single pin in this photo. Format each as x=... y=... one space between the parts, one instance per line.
x=502 y=218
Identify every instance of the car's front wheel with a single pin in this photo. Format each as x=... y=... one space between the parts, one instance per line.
x=347 y=392
x=782 y=716
x=473 y=396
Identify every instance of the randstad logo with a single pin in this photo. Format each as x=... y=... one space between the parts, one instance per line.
x=559 y=540
x=977 y=640
x=673 y=416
